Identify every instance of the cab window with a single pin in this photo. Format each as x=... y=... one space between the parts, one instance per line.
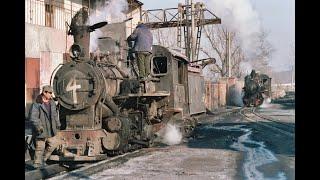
x=159 y=65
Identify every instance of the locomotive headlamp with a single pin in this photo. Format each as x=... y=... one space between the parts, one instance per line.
x=75 y=51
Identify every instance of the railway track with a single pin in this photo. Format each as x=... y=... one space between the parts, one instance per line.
x=91 y=169
x=273 y=120
x=69 y=170
x=49 y=170
x=56 y=171
x=250 y=115
x=65 y=169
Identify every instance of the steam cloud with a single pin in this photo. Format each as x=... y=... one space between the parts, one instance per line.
x=111 y=11
x=266 y=102
x=172 y=135
x=246 y=67
x=239 y=16
x=236 y=94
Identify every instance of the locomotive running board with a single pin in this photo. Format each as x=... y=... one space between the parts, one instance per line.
x=155 y=94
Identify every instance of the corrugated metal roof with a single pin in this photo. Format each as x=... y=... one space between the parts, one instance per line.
x=138 y=2
x=135 y=1
x=177 y=53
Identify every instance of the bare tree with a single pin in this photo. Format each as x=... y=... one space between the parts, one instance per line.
x=166 y=37
x=217 y=36
x=263 y=53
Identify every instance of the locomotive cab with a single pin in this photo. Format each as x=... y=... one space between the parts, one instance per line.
x=169 y=82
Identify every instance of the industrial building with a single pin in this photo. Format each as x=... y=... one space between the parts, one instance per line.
x=46 y=40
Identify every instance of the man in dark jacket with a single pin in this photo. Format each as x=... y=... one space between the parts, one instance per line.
x=44 y=116
x=143 y=40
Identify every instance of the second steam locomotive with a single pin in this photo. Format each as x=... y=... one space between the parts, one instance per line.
x=256 y=88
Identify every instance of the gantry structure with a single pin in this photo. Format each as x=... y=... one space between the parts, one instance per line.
x=188 y=18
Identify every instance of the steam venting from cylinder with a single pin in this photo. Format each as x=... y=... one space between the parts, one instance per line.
x=172 y=135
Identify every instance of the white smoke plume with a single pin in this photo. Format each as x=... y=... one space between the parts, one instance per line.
x=172 y=135
x=266 y=102
x=239 y=16
x=110 y=11
x=246 y=67
x=236 y=94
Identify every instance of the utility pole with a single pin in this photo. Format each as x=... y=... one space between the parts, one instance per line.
x=228 y=56
x=292 y=76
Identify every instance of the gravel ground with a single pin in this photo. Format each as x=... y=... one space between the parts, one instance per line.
x=177 y=162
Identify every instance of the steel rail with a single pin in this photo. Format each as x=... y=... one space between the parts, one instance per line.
x=248 y=118
x=270 y=119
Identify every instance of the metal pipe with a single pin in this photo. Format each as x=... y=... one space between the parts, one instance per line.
x=106 y=110
x=110 y=104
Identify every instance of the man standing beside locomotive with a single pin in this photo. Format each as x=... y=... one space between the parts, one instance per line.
x=44 y=116
x=143 y=40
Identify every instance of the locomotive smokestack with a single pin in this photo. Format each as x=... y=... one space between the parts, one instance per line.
x=81 y=31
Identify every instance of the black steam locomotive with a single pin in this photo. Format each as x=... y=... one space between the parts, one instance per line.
x=105 y=111
x=256 y=88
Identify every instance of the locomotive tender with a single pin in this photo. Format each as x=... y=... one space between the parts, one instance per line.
x=105 y=111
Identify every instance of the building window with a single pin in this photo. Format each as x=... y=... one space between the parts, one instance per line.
x=49 y=14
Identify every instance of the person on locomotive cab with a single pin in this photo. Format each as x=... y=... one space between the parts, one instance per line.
x=143 y=41
x=44 y=116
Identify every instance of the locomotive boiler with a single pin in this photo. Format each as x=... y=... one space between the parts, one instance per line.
x=105 y=111
x=256 y=88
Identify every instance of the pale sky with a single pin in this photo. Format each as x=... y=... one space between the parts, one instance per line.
x=276 y=16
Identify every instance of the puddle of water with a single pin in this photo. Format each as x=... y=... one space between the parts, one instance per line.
x=256 y=153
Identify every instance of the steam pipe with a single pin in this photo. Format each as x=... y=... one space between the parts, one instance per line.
x=110 y=103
